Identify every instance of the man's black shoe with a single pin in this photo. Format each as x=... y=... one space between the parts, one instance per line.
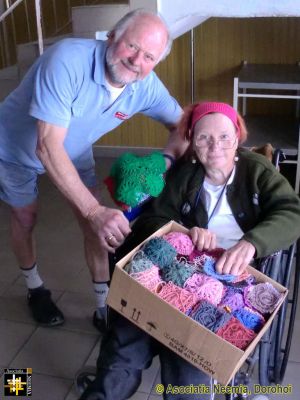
x=44 y=310
x=99 y=323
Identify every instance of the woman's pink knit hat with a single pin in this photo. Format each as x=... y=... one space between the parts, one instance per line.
x=209 y=107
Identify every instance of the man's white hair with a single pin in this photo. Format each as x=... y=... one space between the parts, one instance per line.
x=130 y=17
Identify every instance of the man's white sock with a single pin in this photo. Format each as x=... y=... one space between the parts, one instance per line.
x=32 y=277
x=101 y=291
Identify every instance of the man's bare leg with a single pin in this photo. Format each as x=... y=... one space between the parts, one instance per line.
x=98 y=264
x=23 y=221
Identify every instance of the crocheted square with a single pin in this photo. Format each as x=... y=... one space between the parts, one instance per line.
x=177 y=297
x=232 y=300
x=205 y=287
x=263 y=297
x=111 y=187
x=149 y=278
x=160 y=252
x=240 y=286
x=249 y=318
x=215 y=254
x=236 y=333
x=209 y=316
x=138 y=263
x=136 y=178
x=209 y=268
x=181 y=242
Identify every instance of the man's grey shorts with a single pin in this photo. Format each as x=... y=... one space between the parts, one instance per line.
x=18 y=184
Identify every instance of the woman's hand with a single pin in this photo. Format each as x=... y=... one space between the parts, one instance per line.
x=203 y=239
x=235 y=260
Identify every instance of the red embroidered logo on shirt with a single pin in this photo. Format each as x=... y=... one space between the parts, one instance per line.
x=121 y=115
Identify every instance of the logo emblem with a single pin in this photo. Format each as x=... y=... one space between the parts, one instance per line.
x=121 y=115
x=17 y=382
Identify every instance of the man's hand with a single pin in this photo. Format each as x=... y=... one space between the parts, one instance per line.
x=203 y=239
x=110 y=226
x=235 y=260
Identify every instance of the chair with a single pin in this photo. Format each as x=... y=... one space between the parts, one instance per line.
x=276 y=343
x=272 y=353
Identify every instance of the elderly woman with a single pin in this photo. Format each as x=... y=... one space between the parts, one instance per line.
x=228 y=197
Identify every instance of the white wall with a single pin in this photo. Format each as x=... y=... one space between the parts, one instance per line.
x=185 y=14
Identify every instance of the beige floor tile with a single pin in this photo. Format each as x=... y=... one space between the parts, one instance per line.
x=3 y=287
x=157 y=381
x=92 y=360
x=56 y=352
x=59 y=258
x=154 y=395
x=72 y=395
x=149 y=376
x=294 y=355
x=2 y=369
x=292 y=377
x=55 y=274
x=13 y=303
x=45 y=387
x=139 y=396
x=52 y=228
x=78 y=310
x=81 y=282
x=295 y=347
x=13 y=336
x=9 y=269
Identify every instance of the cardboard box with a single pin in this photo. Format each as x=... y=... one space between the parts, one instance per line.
x=195 y=343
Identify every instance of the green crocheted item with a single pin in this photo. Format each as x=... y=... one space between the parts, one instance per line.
x=137 y=178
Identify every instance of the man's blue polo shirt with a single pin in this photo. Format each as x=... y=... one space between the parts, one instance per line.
x=66 y=87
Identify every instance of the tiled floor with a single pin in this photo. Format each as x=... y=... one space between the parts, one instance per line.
x=56 y=354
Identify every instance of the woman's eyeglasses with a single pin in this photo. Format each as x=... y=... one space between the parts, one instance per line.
x=203 y=141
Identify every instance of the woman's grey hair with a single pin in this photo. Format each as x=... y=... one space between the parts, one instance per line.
x=129 y=18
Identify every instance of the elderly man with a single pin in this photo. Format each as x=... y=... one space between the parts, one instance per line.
x=76 y=92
